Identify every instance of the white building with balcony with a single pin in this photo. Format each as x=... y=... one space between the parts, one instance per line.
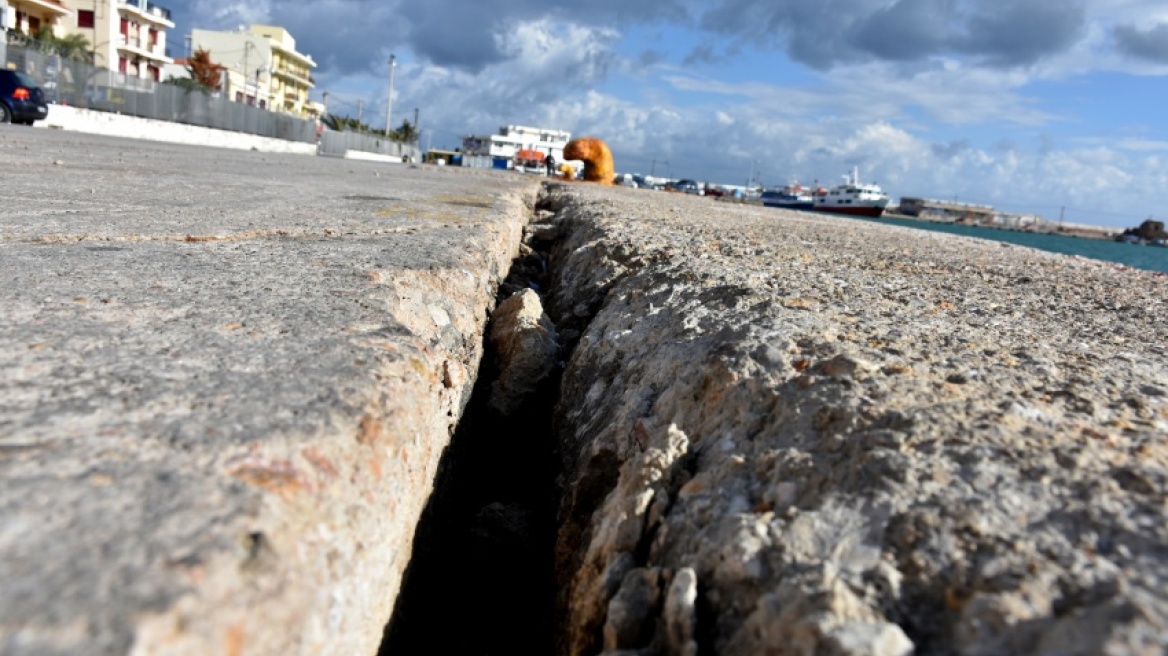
x=28 y=17
x=513 y=138
x=502 y=148
x=126 y=36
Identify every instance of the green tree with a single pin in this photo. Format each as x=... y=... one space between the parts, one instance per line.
x=338 y=123
x=407 y=133
x=186 y=83
x=74 y=47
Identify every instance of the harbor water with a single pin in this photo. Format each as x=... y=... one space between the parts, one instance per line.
x=1151 y=258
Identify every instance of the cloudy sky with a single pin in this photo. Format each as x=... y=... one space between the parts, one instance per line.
x=1028 y=105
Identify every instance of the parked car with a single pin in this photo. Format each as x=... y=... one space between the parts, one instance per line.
x=689 y=187
x=624 y=180
x=714 y=191
x=21 y=99
x=644 y=183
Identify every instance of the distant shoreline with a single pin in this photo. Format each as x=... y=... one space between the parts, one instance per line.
x=1084 y=232
x=1079 y=231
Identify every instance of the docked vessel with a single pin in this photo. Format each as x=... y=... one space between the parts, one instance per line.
x=791 y=197
x=851 y=197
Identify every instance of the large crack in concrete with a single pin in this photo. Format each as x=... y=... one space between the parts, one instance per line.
x=755 y=451
x=481 y=579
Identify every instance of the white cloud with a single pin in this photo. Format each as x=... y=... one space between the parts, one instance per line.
x=920 y=118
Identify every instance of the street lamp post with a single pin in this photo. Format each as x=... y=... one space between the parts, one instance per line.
x=389 y=96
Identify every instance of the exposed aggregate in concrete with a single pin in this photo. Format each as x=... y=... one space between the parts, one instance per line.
x=785 y=433
x=226 y=379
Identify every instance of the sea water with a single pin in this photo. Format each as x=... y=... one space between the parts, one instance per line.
x=1137 y=256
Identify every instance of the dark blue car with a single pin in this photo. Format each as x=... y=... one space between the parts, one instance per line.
x=21 y=99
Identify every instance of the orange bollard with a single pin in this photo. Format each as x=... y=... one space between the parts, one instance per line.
x=596 y=156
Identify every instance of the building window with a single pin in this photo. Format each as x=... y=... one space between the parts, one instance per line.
x=122 y=64
x=85 y=18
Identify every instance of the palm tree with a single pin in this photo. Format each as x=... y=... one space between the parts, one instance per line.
x=74 y=47
x=338 y=123
x=406 y=133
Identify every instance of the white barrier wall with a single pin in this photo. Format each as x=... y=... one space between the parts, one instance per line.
x=63 y=117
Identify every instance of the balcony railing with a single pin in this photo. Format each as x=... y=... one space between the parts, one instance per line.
x=297 y=76
x=147 y=9
x=140 y=46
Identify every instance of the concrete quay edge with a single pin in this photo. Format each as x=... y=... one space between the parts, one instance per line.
x=227 y=380
x=788 y=431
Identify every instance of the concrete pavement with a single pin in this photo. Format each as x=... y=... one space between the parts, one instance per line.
x=227 y=377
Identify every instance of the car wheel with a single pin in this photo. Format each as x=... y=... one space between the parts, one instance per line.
x=5 y=114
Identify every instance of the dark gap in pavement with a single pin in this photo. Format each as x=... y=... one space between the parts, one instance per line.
x=481 y=579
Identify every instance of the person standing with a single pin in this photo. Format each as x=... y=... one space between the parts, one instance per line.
x=551 y=165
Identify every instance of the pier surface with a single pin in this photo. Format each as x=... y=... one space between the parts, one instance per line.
x=228 y=378
x=797 y=433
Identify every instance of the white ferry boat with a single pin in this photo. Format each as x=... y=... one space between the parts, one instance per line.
x=852 y=197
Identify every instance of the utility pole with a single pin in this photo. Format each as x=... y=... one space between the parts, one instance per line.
x=325 y=102
x=417 y=129
x=246 y=47
x=389 y=96
x=360 y=111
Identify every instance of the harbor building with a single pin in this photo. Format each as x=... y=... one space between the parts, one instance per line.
x=500 y=150
x=944 y=211
x=261 y=67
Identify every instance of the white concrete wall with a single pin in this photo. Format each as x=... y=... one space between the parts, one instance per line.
x=62 y=117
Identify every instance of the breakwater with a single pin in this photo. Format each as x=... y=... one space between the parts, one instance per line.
x=1149 y=258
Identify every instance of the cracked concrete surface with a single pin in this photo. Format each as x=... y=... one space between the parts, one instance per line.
x=226 y=381
x=788 y=433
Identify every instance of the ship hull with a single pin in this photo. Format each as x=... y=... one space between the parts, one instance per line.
x=789 y=206
x=874 y=211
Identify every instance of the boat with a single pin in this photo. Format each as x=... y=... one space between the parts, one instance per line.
x=852 y=198
x=790 y=197
x=1150 y=232
x=530 y=161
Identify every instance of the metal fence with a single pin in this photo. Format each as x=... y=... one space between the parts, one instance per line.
x=79 y=84
x=337 y=143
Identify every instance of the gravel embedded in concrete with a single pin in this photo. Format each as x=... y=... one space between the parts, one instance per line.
x=796 y=433
x=226 y=381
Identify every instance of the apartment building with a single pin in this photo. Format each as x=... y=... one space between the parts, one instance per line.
x=127 y=36
x=27 y=17
x=512 y=139
x=262 y=67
